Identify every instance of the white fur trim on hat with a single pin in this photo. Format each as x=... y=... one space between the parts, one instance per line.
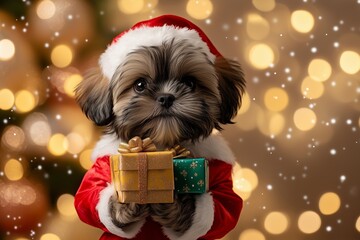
x=116 y=53
x=104 y=215
x=202 y=221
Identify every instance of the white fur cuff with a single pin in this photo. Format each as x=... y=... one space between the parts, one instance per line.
x=104 y=214
x=202 y=222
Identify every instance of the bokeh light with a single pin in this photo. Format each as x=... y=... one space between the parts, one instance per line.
x=199 y=9
x=24 y=101
x=76 y=143
x=257 y=27
x=329 y=203
x=7 y=99
x=7 y=49
x=312 y=89
x=58 y=144
x=70 y=84
x=350 y=62
x=245 y=180
x=304 y=119
x=309 y=222
x=49 y=236
x=61 y=56
x=130 y=6
x=85 y=159
x=245 y=103
x=276 y=99
x=357 y=224
x=319 y=70
x=13 y=138
x=65 y=205
x=251 y=234
x=276 y=223
x=302 y=21
x=264 y=5
x=261 y=56
x=45 y=9
x=13 y=170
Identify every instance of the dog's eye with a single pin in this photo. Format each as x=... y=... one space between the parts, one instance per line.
x=140 y=85
x=189 y=81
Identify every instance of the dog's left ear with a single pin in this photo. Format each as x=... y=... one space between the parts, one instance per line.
x=231 y=86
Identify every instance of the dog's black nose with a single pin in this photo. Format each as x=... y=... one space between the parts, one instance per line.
x=166 y=100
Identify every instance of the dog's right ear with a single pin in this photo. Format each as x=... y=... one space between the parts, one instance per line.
x=95 y=98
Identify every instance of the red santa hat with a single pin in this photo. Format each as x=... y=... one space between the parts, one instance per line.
x=154 y=32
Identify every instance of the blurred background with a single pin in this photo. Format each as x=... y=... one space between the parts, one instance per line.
x=296 y=137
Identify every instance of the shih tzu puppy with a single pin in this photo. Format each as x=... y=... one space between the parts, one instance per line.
x=165 y=80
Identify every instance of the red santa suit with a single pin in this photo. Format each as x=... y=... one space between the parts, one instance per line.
x=216 y=212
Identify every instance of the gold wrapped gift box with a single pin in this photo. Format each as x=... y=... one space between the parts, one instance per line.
x=144 y=177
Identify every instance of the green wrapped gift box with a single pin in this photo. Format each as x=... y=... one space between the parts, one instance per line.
x=191 y=175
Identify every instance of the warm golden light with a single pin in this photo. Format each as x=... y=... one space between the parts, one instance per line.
x=45 y=9
x=58 y=144
x=247 y=179
x=261 y=56
x=7 y=49
x=302 y=21
x=257 y=27
x=24 y=101
x=7 y=99
x=264 y=5
x=14 y=138
x=199 y=9
x=319 y=70
x=13 y=170
x=76 y=143
x=251 y=234
x=312 y=89
x=65 y=205
x=61 y=56
x=304 y=119
x=130 y=6
x=49 y=236
x=276 y=99
x=350 y=62
x=40 y=132
x=276 y=223
x=329 y=203
x=245 y=103
x=357 y=224
x=276 y=124
x=309 y=222
x=70 y=84
x=85 y=159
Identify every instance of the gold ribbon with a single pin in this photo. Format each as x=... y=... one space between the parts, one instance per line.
x=136 y=144
x=142 y=177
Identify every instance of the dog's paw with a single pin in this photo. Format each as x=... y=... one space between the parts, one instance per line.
x=124 y=213
x=177 y=216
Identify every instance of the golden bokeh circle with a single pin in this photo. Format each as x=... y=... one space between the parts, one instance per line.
x=309 y=222
x=7 y=49
x=61 y=56
x=261 y=56
x=58 y=144
x=65 y=205
x=312 y=89
x=264 y=5
x=24 y=101
x=302 y=21
x=251 y=234
x=7 y=99
x=276 y=222
x=350 y=62
x=276 y=99
x=45 y=9
x=304 y=119
x=130 y=6
x=319 y=69
x=199 y=9
x=13 y=170
x=329 y=203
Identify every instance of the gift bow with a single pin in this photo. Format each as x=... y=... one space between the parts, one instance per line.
x=136 y=144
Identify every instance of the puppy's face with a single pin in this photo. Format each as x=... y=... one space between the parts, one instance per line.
x=170 y=93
